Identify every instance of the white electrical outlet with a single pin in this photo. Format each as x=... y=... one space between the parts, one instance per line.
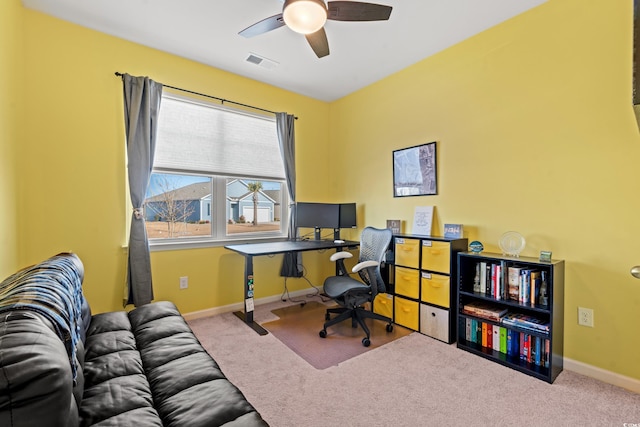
x=585 y=316
x=184 y=282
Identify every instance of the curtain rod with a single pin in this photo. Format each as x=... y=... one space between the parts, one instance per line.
x=222 y=100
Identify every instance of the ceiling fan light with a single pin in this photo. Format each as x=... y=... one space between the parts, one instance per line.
x=304 y=16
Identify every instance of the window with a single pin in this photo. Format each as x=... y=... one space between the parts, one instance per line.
x=218 y=175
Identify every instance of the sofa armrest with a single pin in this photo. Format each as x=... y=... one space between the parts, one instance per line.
x=36 y=386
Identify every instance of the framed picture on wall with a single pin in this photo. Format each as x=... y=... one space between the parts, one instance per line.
x=414 y=171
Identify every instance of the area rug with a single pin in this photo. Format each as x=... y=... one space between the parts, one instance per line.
x=298 y=328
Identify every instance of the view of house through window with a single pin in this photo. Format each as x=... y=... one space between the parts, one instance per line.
x=253 y=206
x=197 y=190
x=179 y=206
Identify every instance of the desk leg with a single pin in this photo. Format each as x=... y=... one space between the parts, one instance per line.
x=247 y=314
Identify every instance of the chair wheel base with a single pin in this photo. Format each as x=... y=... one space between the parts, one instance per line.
x=389 y=327
x=366 y=342
x=323 y=333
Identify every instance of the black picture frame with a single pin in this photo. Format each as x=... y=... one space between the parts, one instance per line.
x=415 y=171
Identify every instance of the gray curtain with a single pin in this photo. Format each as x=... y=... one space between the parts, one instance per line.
x=292 y=262
x=141 y=107
x=286 y=138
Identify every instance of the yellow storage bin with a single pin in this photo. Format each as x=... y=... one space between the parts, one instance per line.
x=434 y=322
x=407 y=282
x=407 y=252
x=383 y=304
x=406 y=313
x=436 y=256
x=435 y=289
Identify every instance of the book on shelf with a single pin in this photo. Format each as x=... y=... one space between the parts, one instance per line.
x=543 y=298
x=484 y=309
x=547 y=356
x=487 y=283
x=513 y=282
x=525 y=321
x=474 y=330
x=525 y=286
x=533 y=349
x=495 y=339
x=539 y=350
x=490 y=280
x=494 y=280
x=503 y=340
x=476 y=279
x=498 y=291
x=524 y=347
x=513 y=342
x=483 y=277
x=535 y=286
x=484 y=334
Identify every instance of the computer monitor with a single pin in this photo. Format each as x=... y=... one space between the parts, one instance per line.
x=317 y=216
x=348 y=215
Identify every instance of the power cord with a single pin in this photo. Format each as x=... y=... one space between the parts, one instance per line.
x=302 y=302
x=286 y=291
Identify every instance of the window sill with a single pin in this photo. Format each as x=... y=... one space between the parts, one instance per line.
x=155 y=246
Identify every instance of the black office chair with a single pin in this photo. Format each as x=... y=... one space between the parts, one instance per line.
x=352 y=294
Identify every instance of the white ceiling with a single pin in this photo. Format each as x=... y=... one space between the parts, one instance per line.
x=361 y=52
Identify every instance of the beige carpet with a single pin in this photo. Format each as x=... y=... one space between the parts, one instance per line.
x=412 y=381
x=298 y=327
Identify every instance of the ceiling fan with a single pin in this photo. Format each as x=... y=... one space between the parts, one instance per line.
x=308 y=17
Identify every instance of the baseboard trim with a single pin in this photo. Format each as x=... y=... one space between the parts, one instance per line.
x=603 y=375
x=239 y=306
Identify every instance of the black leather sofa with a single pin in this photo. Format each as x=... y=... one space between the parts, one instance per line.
x=61 y=366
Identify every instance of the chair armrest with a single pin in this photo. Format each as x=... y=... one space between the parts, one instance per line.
x=364 y=264
x=340 y=255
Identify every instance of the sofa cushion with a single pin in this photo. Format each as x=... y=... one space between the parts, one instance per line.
x=188 y=387
x=116 y=388
x=147 y=368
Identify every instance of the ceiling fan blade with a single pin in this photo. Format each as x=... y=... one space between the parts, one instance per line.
x=319 y=43
x=357 y=11
x=264 y=26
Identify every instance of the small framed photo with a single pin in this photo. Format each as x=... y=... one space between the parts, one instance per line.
x=545 y=256
x=394 y=225
x=453 y=231
x=414 y=171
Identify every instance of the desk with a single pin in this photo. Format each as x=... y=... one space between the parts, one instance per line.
x=249 y=250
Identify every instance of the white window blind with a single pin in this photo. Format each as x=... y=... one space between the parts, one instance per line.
x=199 y=137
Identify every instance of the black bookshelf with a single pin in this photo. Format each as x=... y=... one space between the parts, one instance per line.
x=543 y=357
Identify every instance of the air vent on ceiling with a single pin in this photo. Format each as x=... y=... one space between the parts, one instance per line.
x=261 y=61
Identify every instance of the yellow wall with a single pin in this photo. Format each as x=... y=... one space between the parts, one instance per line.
x=10 y=85
x=535 y=133
x=72 y=173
